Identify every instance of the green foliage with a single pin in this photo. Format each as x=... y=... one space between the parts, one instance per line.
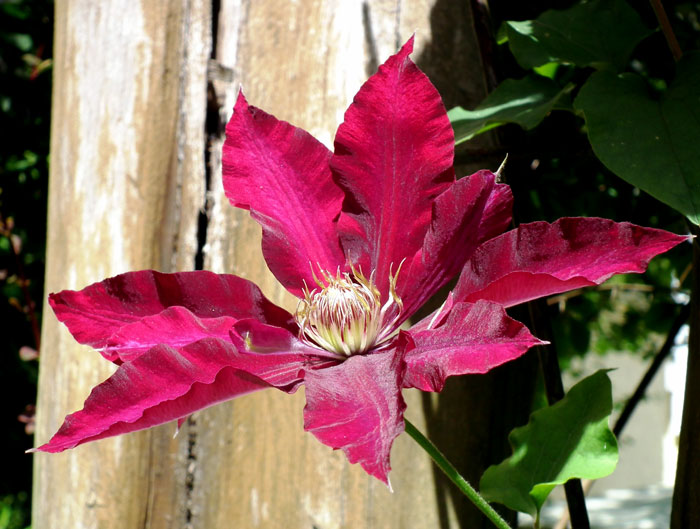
x=26 y=36
x=649 y=139
x=570 y=439
x=13 y=511
x=524 y=101
x=601 y=33
x=643 y=132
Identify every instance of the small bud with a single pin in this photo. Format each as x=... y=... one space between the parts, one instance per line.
x=28 y=354
x=16 y=243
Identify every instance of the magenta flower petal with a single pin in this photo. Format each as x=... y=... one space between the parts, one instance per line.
x=175 y=327
x=541 y=259
x=474 y=338
x=357 y=407
x=451 y=239
x=281 y=174
x=393 y=156
x=497 y=214
x=257 y=337
x=97 y=312
x=274 y=354
x=161 y=385
x=435 y=318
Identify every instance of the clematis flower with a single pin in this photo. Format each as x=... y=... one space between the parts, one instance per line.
x=363 y=237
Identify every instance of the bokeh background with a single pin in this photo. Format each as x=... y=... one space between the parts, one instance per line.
x=26 y=39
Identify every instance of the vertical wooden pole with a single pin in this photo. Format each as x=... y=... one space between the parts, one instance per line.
x=128 y=183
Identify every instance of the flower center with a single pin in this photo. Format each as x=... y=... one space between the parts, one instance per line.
x=346 y=315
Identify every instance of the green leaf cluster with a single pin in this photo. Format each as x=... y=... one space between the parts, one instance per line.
x=525 y=102
x=643 y=128
x=601 y=34
x=570 y=439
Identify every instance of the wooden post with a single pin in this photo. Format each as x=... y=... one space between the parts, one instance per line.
x=128 y=182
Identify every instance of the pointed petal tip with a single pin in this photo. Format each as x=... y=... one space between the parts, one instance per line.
x=178 y=427
x=241 y=102
x=31 y=451
x=589 y=251
x=358 y=407
x=388 y=484
x=407 y=48
x=501 y=168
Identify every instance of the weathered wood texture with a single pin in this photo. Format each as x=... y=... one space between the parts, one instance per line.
x=127 y=185
x=126 y=182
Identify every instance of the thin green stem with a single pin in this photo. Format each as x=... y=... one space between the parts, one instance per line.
x=456 y=478
x=667 y=30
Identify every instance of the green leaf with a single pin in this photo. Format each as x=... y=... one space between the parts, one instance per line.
x=651 y=142
x=547 y=70
x=526 y=45
x=598 y=33
x=20 y=40
x=523 y=101
x=570 y=439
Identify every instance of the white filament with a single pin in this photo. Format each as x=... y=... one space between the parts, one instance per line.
x=346 y=315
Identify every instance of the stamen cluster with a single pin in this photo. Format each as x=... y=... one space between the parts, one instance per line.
x=345 y=315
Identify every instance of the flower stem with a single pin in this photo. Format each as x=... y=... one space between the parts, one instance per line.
x=456 y=478
x=667 y=30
